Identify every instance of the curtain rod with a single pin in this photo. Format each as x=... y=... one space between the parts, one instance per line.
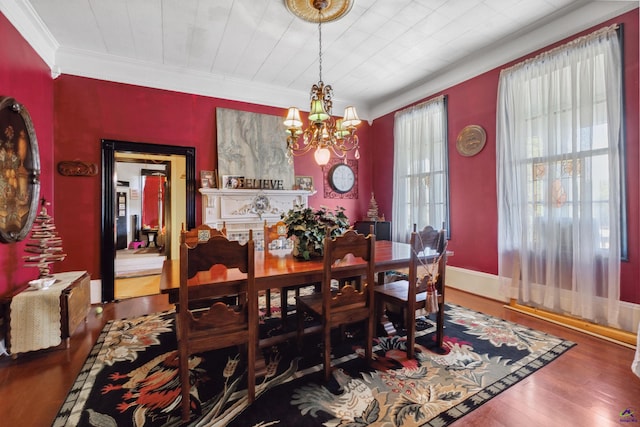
x=580 y=40
x=421 y=104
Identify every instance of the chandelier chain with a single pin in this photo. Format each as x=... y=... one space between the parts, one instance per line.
x=320 y=42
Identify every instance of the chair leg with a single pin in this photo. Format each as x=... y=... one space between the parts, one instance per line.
x=185 y=386
x=410 y=326
x=371 y=329
x=379 y=311
x=326 y=331
x=283 y=306
x=267 y=296
x=440 y=325
x=300 y=317
x=251 y=367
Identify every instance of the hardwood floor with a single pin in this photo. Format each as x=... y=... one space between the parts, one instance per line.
x=590 y=385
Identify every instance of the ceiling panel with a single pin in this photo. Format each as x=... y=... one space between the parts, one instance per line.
x=380 y=51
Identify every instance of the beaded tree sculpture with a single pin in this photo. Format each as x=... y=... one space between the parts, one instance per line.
x=44 y=244
x=372 y=212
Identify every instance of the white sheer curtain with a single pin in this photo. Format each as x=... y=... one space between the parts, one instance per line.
x=559 y=184
x=420 y=177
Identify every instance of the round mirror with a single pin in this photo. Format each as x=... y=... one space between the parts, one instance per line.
x=19 y=171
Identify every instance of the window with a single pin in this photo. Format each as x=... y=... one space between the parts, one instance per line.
x=567 y=158
x=421 y=179
x=560 y=192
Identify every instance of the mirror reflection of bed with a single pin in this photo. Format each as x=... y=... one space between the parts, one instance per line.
x=141 y=215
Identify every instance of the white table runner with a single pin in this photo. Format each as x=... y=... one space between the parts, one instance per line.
x=35 y=315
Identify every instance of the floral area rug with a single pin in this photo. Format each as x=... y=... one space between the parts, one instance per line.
x=131 y=376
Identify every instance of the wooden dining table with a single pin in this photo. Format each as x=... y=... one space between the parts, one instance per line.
x=278 y=269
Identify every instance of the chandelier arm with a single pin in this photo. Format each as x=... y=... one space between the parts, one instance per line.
x=338 y=152
x=348 y=143
x=300 y=151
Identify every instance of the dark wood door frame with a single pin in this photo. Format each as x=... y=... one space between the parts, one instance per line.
x=108 y=246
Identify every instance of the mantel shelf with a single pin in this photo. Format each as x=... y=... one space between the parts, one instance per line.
x=253 y=192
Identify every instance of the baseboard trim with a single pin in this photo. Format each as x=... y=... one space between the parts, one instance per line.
x=617 y=336
x=488 y=286
x=475 y=282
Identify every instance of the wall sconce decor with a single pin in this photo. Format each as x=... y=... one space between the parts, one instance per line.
x=77 y=168
x=471 y=140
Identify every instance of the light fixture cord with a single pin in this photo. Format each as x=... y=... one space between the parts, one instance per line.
x=320 y=42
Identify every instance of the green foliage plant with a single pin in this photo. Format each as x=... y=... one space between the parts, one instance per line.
x=308 y=227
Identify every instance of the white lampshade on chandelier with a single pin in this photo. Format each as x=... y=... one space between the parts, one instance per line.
x=324 y=134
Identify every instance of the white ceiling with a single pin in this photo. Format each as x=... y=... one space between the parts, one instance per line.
x=383 y=55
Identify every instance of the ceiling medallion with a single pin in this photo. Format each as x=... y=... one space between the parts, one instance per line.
x=308 y=9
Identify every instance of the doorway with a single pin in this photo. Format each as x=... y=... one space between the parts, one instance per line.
x=174 y=201
x=143 y=243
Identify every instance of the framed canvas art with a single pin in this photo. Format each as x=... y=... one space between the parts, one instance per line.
x=252 y=145
x=232 y=181
x=304 y=183
x=207 y=179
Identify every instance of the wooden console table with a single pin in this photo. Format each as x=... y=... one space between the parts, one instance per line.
x=39 y=319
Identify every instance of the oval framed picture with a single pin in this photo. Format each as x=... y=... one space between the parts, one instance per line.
x=19 y=171
x=471 y=140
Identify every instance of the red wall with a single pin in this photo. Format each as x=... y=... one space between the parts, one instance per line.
x=25 y=77
x=88 y=110
x=473 y=188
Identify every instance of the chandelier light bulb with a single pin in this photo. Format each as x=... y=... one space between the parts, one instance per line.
x=322 y=156
x=324 y=135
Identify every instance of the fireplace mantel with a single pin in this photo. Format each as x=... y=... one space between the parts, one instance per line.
x=242 y=210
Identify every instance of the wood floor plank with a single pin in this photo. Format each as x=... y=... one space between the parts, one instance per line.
x=587 y=386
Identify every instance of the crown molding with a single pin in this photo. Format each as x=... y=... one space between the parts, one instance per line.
x=124 y=70
x=496 y=55
x=25 y=19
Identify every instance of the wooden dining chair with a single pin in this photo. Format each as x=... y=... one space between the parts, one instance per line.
x=221 y=325
x=409 y=295
x=347 y=304
x=193 y=236
x=272 y=233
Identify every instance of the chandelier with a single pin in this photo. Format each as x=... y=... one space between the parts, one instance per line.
x=324 y=134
